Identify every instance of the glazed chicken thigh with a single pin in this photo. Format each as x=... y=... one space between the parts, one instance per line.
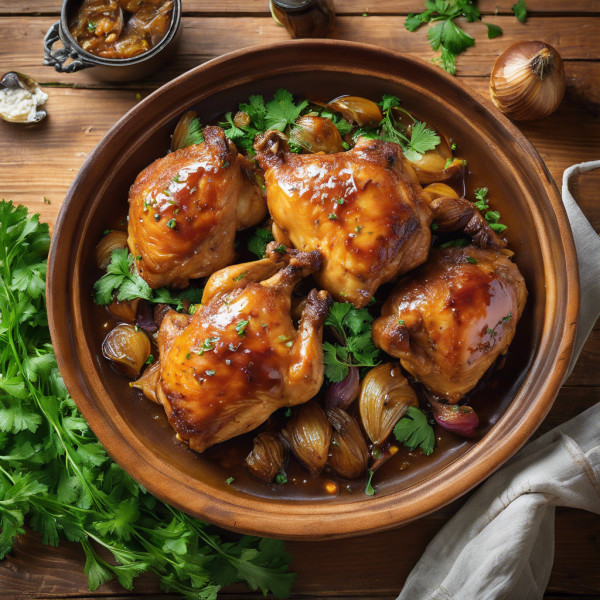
x=364 y=210
x=449 y=320
x=239 y=358
x=185 y=208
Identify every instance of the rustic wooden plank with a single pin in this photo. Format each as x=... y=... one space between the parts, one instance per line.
x=343 y=7
x=587 y=371
x=21 y=42
x=376 y=564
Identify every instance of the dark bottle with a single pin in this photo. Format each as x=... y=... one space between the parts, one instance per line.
x=304 y=18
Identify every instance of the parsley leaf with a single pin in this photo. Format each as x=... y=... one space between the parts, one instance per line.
x=413 y=430
x=493 y=30
x=421 y=140
x=520 y=10
x=55 y=476
x=353 y=326
x=282 y=110
x=121 y=278
x=259 y=241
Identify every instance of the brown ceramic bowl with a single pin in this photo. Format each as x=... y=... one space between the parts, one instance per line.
x=135 y=432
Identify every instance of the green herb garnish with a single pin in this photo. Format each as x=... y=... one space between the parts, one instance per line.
x=369 y=490
x=353 y=325
x=259 y=241
x=241 y=328
x=520 y=10
x=413 y=430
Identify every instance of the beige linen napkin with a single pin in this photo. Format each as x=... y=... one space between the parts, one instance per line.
x=500 y=544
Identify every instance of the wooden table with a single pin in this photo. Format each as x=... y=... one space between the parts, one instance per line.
x=41 y=162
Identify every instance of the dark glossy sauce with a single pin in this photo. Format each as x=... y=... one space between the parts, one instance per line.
x=119 y=29
x=405 y=467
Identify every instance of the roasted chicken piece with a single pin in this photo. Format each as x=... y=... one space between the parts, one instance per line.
x=364 y=210
x=239 y=358
x=449 y=320
x=185 y=208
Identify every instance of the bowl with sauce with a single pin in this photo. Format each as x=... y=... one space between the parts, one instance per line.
x=511 y=402
x=122 y=40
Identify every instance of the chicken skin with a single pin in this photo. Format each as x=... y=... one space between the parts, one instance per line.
x=449 y=320
x=239 y=358
x=364 y=210
x=185 y=208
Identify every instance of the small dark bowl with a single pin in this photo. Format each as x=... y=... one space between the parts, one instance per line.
x=107 y=69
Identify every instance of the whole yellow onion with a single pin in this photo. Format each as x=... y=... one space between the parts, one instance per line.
x=528 y=81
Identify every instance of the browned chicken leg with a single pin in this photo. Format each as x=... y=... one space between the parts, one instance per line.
x=185 y=208
x=449 y=320
x=239 y=357
x=364 y=210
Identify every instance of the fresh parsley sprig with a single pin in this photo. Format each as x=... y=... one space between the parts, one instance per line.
x=278 y=113
x=121 y=278
x=421 y=138
x=414 y=431
x=55 y=475
x=491 y=216
x=353 y=326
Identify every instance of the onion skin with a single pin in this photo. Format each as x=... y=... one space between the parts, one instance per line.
x=308 y=433
x=348 y=452
x=148 y=381
x=145 y=317
x=461 y=420
x=316 y=134
x=384 y=398
x=528 y=81
x=357 y=110
x=124 y=311
x=343 y=393
x=115 y=240
x=181 y=130
x=127 y=349
x=440 y=190
x=267 y=456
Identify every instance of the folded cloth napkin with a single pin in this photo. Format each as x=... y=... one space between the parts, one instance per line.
x=500 y=544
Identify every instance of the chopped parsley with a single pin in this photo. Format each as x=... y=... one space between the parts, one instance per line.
x=333 y=217
x=413 y=430
x=353 y=325
x=471 y=260
x=210 y=372
x=91 y=27
x=241 y=328
x=281 y=477
x=492 y=216
x=172 y=223
x=459 y=243
x=150 y=360
x=240 y=277
x=229 y=481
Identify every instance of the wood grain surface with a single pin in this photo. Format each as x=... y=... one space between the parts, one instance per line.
x=41 y=162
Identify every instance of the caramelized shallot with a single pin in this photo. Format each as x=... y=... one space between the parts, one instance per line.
x=316 y=134
x=357 y=110
x=267 y=456
x=308 y=433
x=348 y=452
x=124 y=311
x=148 y=381
x=439 y=190
x=115 y=240
x=461 y=420
x=384 y=398
x=343 y=393
x=128 y=348
x=184 y=130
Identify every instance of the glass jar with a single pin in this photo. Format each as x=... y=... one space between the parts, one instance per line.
x=304 y=18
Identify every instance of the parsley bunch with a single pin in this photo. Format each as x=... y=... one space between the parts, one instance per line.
x=121 y=278
x=446 y=36
x=353 y=326
x=421 y=138
x=278 y=113
x=56 y=476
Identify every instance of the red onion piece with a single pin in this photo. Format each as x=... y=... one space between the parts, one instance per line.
x=343 y=393
x=461 y=420
x=145 y=318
